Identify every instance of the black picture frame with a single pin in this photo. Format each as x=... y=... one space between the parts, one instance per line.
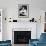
x=23 y=10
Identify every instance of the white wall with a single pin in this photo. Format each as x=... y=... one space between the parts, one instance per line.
x=11 y=3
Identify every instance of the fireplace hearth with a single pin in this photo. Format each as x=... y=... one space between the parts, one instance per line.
x=22 y=37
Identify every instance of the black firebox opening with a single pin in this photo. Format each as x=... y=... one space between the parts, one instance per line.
x=22 y=37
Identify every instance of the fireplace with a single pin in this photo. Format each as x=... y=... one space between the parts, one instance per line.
x=22 y=37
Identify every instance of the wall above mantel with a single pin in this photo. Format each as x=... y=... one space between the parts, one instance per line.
x=33 y=13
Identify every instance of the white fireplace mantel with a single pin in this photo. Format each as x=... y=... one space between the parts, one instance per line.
x=23 y=25
x=27 y=26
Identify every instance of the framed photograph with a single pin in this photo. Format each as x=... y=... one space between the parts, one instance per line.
x=23 y=10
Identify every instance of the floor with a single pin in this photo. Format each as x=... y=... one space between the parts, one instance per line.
x=20 y=45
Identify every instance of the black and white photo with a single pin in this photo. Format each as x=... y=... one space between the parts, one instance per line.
x=23 y=10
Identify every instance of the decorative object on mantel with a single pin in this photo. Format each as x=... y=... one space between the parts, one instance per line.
x=23 y=10
x=10 y=19
x=14 y=20
x=32 y=20
x=35 y=21
x=5 y=18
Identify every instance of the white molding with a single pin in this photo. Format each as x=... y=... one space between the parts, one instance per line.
x=1 y=26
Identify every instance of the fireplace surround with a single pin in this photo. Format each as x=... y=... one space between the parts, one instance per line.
x=24 y=27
